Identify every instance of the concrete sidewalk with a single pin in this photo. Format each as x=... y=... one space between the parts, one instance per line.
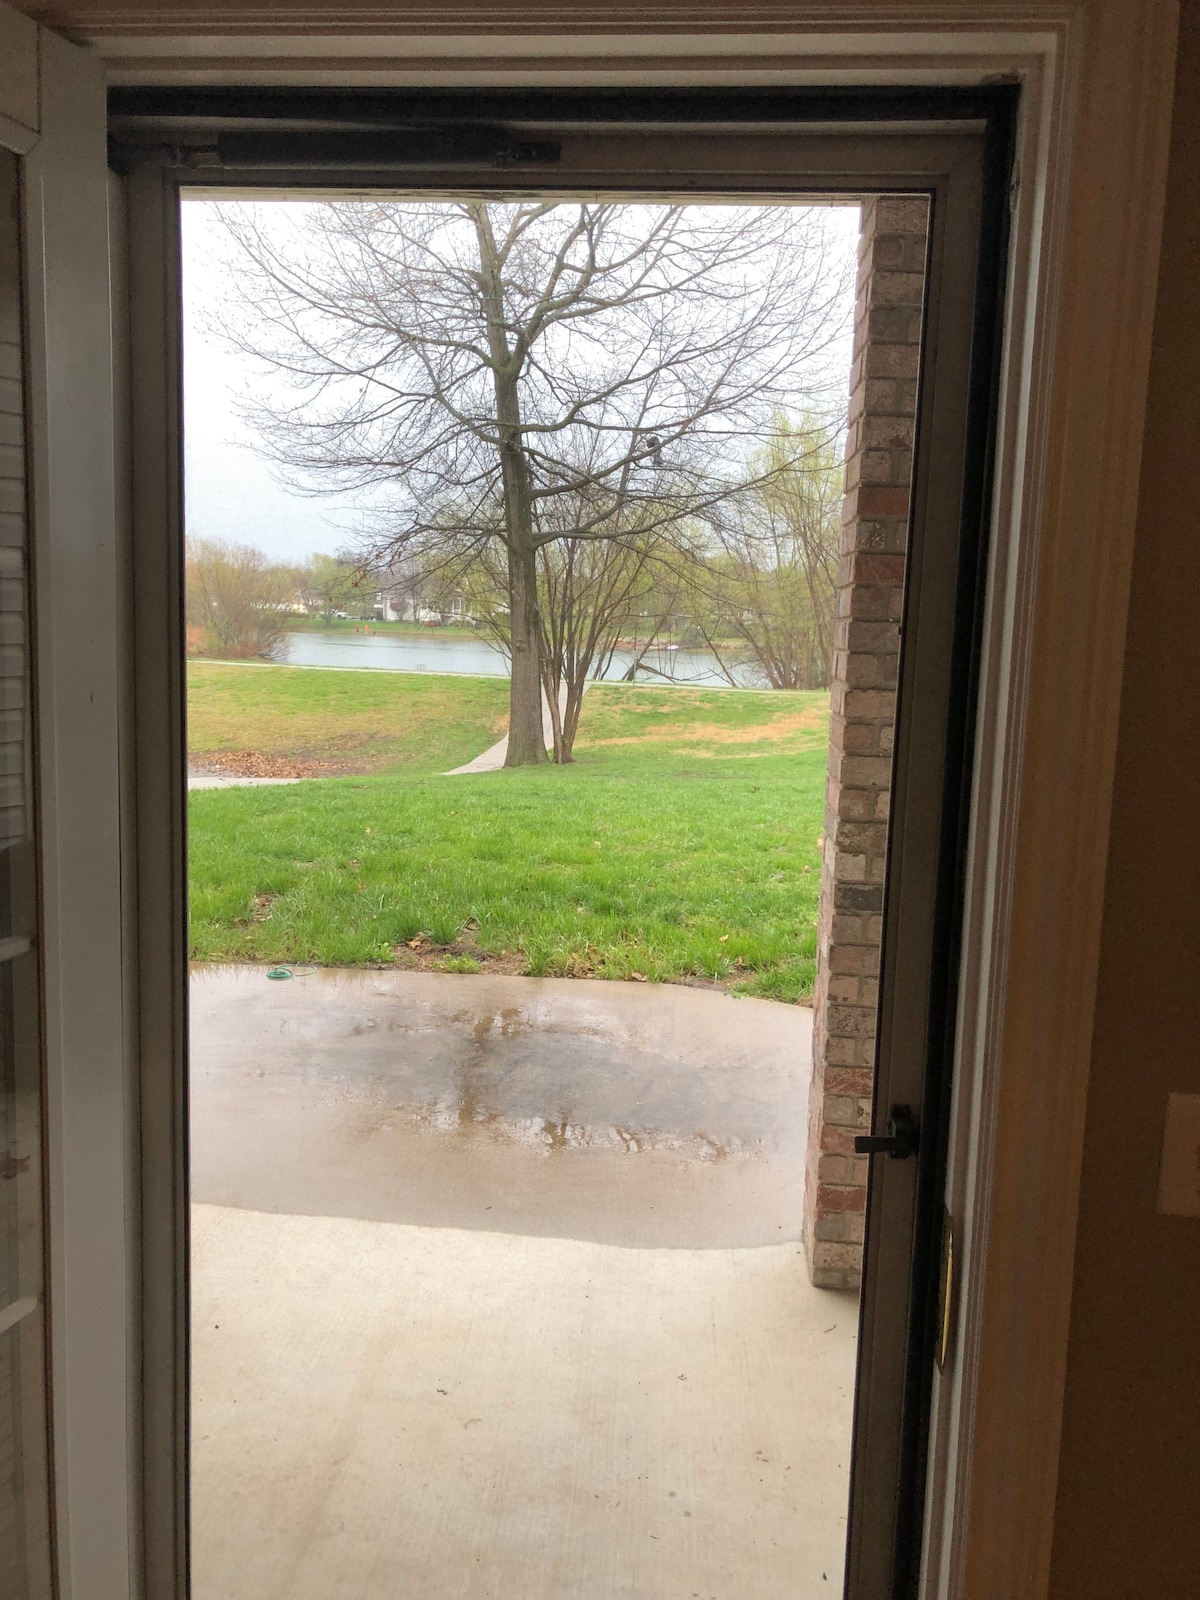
x=492 y=759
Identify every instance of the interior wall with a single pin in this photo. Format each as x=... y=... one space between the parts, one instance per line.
x=1129 y=1486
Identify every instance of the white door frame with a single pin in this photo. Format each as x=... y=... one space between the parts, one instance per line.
x=1098 y=78
x=53 y=115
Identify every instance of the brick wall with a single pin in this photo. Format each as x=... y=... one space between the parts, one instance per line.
x=883 y=397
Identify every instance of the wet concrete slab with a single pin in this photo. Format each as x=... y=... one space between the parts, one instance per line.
x=627 y=1114
x=496 y=1292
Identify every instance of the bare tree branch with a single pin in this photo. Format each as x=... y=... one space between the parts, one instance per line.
x=529 y=378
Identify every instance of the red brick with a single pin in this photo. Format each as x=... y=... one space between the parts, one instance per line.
x=861 y=739
x=833 y=1197
x=878 y=501
x=870 y=567
x=838 y=1141
x=849 y=1080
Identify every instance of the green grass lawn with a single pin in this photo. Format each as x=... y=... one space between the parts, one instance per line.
x=682 y=843
x=372 y=720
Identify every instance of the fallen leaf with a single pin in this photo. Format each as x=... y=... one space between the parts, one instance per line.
x=638 y=977
x=722 y=938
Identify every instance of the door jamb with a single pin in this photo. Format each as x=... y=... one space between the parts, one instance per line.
x=843 y=162
x=52 y=114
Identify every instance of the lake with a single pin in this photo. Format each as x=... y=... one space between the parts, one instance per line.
x=435 y=652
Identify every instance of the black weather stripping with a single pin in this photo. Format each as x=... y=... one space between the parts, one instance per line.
x=360 y=151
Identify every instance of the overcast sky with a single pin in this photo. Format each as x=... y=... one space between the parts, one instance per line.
x=231 y=493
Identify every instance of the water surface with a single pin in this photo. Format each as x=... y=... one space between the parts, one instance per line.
x=438 y=652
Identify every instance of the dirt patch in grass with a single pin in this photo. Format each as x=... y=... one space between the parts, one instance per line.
x=423 y=954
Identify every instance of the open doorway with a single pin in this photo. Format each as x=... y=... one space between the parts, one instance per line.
x=618 y=1156
x=492 y=1053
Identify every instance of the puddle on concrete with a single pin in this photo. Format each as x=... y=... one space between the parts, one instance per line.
x=588 y=1111
x=467 y=1120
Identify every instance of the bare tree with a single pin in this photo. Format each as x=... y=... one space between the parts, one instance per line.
x=237 y=601
x=507 y=359
x=592 y=594
x=593 y=590
x=765 y=598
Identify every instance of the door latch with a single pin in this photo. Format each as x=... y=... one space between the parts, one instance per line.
x=902 y=1139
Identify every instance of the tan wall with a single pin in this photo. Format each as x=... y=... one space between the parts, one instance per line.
x=1128 y=1521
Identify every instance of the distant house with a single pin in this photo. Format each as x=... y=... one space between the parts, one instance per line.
x=405 y=600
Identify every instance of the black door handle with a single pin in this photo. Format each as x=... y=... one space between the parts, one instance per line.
x=903 y=1137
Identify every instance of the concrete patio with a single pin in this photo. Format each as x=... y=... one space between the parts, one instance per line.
x=497 y=1291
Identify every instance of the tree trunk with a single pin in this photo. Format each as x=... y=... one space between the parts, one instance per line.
x=526 y=744
x=550 y=692
x=576 y=688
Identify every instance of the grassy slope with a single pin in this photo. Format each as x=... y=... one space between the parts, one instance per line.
x=682 y=843
x=376 y=720
x=705 y=723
